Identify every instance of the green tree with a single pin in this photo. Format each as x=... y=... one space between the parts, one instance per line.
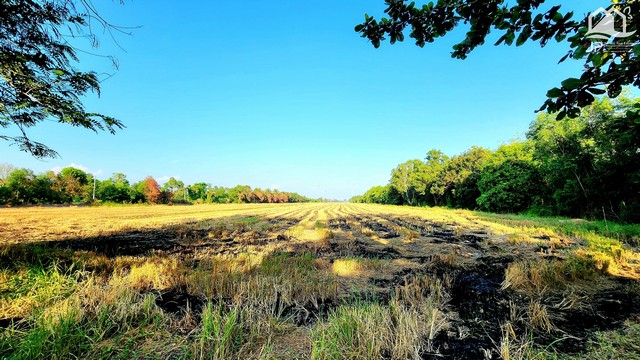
x=511 y=180
x=119 y=179
x=5 y=195
x=409 y=179
x=607 y=70
x=114 y=189
x=592 y=163
x=356 y=199
x=20 y=186
x=172 y=185
x=435 y=161
x=38 y=80
x=137 y=192
x=43 y=189
x=217 y=194
x=456 y=184
x=381 y=195
x=199 y=191
x=510 y=186
x=174 y=189
x=75 y=184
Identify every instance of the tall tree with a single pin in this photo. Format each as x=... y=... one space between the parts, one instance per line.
x=606 y=70
x=409 y=179
x=38 y=80
x=5 y=170
x=456 y=184
x=592 y=163
x=198 y=191
x=435 y=161
x=152 y=190
x=115 y=189
x=75 y=184
x=20 y=186
x=119 y=179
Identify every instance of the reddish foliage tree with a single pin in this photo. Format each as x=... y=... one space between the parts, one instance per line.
x=259 y=196
x=152 y=190
x=249 y=196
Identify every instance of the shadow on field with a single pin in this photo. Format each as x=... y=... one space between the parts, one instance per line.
x=176 y=238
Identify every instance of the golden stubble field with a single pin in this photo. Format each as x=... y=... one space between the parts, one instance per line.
x=321 y=281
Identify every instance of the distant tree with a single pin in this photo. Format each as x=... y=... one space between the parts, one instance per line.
x=381 y=195
x=37 y=78
x=511 y=186
x=456 y=184
x=75 y=184
x=5 y=170
x=119 y=179
x=606 y=70
x=5 y=195
x=513 y=151
x=259 y=195
x=115 y=189
x=173 y=189
x=20 y=185
x=152 y=190
x=268 y=195
x=435 y=161
x=248 y=196
x=218 y=194
x=511 y=180
x=409 y=179
x=172 y=185
x=43 y=189
x=357 y=199
x=236 y=194
x=199 y=191
x=137 y=192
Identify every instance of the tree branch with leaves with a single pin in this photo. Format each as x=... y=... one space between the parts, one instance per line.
x=606 y=70
x=38 y=80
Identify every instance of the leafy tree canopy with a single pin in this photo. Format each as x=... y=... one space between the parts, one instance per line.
x=607 y=70
x=38 y=80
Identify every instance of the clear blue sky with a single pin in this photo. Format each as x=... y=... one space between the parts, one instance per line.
x=285 y=94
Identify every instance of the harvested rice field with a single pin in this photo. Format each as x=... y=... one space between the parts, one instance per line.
x=313 y=281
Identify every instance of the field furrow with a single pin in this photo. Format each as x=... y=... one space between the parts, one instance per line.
x=283 y=278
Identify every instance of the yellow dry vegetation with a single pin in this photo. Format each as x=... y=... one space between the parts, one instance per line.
x=294 y=281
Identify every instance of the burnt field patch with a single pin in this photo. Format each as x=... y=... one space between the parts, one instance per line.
x=305 y=282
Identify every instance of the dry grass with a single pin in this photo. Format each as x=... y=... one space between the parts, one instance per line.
x=538 y=316
x=18 y=225
x=281 y=281
x=540 y=276
x=368 y=331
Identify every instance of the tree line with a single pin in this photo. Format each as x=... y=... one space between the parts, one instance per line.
x=588 y=166
x=20 y=186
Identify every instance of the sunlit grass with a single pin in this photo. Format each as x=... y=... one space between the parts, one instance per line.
x=279 y=282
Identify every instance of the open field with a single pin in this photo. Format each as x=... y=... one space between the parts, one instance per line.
x=320 y=281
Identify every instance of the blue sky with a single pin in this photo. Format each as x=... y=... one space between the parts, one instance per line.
x=284 y=94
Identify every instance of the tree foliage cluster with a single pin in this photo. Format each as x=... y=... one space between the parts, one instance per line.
x=588 y=166
x=38 y=77
x=606 y=70
x=72 y=185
